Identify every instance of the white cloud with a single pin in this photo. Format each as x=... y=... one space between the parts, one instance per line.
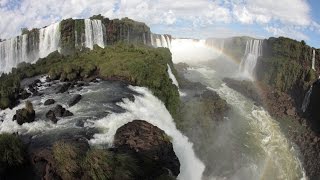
x=287 y=32
x=292 y=16
x=39 y=13
x=292 y=12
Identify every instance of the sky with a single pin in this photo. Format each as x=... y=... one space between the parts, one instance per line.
x=297 y=19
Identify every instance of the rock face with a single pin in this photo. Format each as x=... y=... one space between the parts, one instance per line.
x=74 y=100
x=150 y=146
x=49 y=102
x=25 y=115
x=57 y=111
x=63 y=88
x=313 y=112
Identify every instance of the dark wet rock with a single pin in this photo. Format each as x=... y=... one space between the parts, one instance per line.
x=150 y=146
x=32 y=89
x=50 y=115
x=74 y=100
x=25 y=115
x=59 y=111
x=24 y=94
x=49 y=102
x=313 y=112
x=82 y=83
x=80 y=123
x=67 y=113
x=48 y=79
x=63 y=88
x=246 y=88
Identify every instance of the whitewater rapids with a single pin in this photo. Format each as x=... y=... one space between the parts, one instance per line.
x=151 y=109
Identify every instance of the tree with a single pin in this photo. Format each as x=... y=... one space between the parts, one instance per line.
x=303 y=42
x=24 y=31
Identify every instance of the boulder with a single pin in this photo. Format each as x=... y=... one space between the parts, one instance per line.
x=50 y=115
x=74 y=100
x=25 y=115
x=24 y=94
x=150 y=146
x=49 y=102
x=59 y=111
x=63 y=88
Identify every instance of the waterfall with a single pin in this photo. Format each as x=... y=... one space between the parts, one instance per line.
x=49 y=39
x=306 y=100
x=12 y=52
x=172 y=77
x=149 y=108
x=94 y=33
x=313 y=59
x=249 y=61
x=158 y=40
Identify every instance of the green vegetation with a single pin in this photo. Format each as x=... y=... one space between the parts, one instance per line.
x=285 y=64
x=24 y=31
x=138 y=65
x=67 y=29
x=9 y=90
x=95 y=164
x=101 y=164
x=12 y=152
x=67 y=158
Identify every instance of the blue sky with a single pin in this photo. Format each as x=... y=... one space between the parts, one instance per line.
x=297 y=19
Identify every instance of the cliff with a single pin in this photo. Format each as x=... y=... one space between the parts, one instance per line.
x=286 y=65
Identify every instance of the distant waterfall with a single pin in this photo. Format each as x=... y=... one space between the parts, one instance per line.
x=306 y=100
x=313 y=59
x=216 y=43
x=94 y=33
x=249 y=61
x=158 y=40
x=49 y=40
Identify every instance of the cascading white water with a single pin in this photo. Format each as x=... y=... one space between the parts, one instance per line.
x=172 y=77
x=49 y=39
x=94 y=33
x=249 y=61
x=313 y=59
x=174 y=81
x=249 y=144
x=306 y=100
x=147 y=107
x=12 y=52
x=158 y=40
x=192 y=51
x=217 y=44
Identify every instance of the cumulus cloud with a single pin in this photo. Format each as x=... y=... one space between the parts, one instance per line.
x=293 y=12
x=287 y=32
x=178 y=14
x=38 y=13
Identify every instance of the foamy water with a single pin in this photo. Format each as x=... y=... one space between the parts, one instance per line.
x=147 y=107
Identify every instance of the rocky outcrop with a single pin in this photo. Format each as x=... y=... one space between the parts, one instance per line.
x=49 y=102
x=74 y=100
x=150 y=146
x=57 y=111
x=63 y=88
x=25 y=115
x=246 y=88
x=312 y=111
